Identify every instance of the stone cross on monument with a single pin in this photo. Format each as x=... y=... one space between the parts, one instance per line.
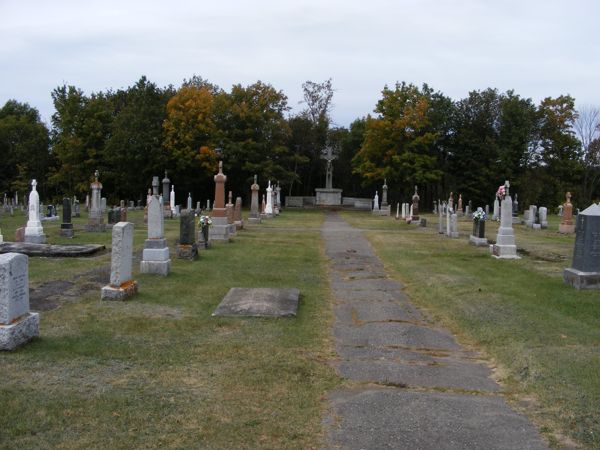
x=328 y=156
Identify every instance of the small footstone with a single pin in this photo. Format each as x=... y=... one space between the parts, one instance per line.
x=259 y=302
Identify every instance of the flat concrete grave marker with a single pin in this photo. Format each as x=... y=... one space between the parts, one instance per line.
x=17 y=324
x=259 y=302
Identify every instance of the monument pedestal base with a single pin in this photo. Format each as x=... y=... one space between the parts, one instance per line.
x=254 y=220
x=219 y=231
x=35 y=238
x=189 y=252
x=328 y=197
x=126 y=290
x=20 y=332
x=477 y=241
x=566 y=229
x=582 y=280
x=504 y=251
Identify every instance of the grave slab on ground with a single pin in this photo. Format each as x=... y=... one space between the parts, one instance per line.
x=259 y=302
x=49 y=250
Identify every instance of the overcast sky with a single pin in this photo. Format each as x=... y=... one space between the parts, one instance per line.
x=539 y=48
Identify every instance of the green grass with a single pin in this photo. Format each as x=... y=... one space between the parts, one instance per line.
x=158 y=371
x=543 y=335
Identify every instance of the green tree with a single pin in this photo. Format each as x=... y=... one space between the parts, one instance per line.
x=81 y=127
x=135 y=139
x=254 y=136
x=24 y=146
x=558 y=150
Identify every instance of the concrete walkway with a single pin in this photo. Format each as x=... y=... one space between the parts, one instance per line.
x=414 y=386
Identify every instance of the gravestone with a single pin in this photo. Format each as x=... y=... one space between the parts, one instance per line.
x=375 y=209
x=496 y=214
x=76 y=208
x=237 y=213
x=1 y=237
x=172 y=201
x=103 y=204
x=384 y=193
x=415 y=206
x=515 y=210
x=259 y=302
x=585 y=270
x=566 y=225
x=397 y=211
x=278 y=198
x=121 y=284
x=478 y=238
x=505 y=246
x=269 y=204
x=187 y=247
x=96 y=207
x=229 y=208
x=166 y=196
x=435 y=207
x=220 y=228
x=66 y=227
x=460 y=205
x=543 y=216
x=454 y=226
x=560 y=210
x=34 y=232
x=532 y=217
x=441 y=218
x=17 y=324
x=254 y=212
x=155 y=256
x=189 y=202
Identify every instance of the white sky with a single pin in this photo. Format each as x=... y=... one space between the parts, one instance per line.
x=539 y=48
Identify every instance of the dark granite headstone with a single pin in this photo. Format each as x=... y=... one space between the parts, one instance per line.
x=66 y=213
x=187 y=228
x=259 y=302
x=66 y=227
x=585 y=272
x=111 y=216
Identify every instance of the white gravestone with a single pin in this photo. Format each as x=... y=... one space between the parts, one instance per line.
x=376 y=203
x=505 y=246
x=121 y=284
x=269 y=206
x=155 y=257
x=34 y=232
x=454 y=226
x=17 y=324
x=543 y=215
x=172 y=200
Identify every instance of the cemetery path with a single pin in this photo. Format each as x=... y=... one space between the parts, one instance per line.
x=411 y=385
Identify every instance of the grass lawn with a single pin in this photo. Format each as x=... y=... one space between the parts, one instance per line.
x=157 y=371
x=542 y=336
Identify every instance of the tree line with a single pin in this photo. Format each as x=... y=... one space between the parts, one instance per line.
x=415 y=136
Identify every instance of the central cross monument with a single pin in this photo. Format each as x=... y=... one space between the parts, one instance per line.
x=328 y=196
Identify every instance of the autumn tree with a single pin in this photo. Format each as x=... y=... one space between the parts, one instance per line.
x=190 y=134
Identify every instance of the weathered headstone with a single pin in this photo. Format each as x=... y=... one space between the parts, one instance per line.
x=415 y=206
x=220 y=228
x=229 y=207
x=237 y=213
x=441 y=218
x=172 y=202
x=17 y=324
x=397 y=211
x=34 y=232
x=121 y=284
x=254 y=211
x=259 y=302
x=187 y=247
x=585 y=270
x=454 y=226
x=478 y=238
x=543 y=216
x=155 y=256
x=460 y=205
x=189 y=202
x=566 y=225
x=269 y=205
x=96 y=208
x=496 y=214
x=278 y=199
x=103 y=204
x=76 y=208
x=66 y=227
x=505 y=246
x=435 y=207
x=375 y=209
